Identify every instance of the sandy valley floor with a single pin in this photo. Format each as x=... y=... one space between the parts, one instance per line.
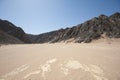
x=60 y=61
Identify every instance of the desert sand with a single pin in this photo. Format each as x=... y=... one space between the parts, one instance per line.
x=60 y=61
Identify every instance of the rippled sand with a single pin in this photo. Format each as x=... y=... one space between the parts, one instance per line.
x=60 y=61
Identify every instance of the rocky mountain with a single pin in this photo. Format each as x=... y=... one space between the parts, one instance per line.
x=8 y=39
x=86 y=32
x=14 y=31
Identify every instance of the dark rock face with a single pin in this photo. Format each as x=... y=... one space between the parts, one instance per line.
x=14 y=31
x=8 y=39
x=86 y=32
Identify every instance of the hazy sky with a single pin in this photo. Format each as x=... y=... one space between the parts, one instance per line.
x=38 y=16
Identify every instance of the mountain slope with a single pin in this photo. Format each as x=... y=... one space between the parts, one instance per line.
x=13 y=31
x=8 y=39
x=86 y=32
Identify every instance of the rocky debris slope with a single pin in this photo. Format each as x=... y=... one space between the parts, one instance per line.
x=86 y=32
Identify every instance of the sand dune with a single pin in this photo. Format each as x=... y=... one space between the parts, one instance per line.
x=60 y=61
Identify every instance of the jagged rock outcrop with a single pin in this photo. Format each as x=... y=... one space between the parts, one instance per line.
x=86 y=32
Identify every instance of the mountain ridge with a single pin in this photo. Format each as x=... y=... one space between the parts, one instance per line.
x=92 y=29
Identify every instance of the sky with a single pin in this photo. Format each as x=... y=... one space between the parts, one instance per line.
x=40 y=16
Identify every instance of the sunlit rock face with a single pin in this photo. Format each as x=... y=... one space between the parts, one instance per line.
x=86 y=32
